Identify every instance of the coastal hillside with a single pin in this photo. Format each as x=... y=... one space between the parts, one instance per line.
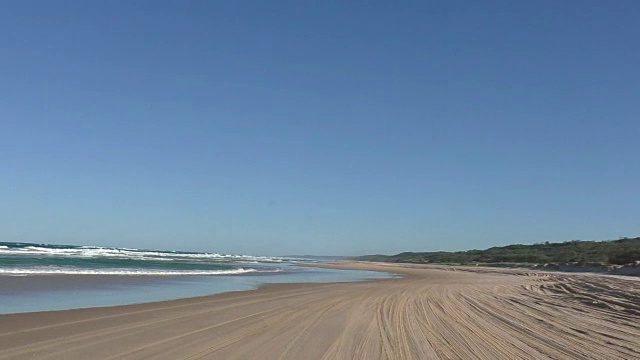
x=605 y=253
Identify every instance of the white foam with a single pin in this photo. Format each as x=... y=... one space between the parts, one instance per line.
x=104 y=252
x=123 y=272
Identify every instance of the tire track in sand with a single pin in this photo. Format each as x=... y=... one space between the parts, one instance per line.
x=431 y=313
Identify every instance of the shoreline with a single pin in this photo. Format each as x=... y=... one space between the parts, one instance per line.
x=37 y=293
x=431 y=312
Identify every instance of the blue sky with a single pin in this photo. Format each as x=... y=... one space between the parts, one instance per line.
x=274 y=127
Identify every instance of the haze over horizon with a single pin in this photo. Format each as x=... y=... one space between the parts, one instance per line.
x=329 y=129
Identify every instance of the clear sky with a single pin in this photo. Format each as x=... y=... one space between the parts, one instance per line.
x=272 y=127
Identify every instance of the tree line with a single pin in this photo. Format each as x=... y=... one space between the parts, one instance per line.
x=608 y=252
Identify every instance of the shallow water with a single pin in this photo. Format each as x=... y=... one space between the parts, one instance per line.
x=52 y=292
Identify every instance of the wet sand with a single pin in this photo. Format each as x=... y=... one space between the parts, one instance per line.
x=434 y=312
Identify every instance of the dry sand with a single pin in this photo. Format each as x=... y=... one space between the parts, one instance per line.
x=432 y=313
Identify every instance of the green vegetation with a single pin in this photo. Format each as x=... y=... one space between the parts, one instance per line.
x=611 y=252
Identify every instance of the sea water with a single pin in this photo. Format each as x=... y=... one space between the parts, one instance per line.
x=38 y=277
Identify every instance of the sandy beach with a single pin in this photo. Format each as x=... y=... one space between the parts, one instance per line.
x=434 y=312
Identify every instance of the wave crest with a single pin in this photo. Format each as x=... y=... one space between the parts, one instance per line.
x=127 y=272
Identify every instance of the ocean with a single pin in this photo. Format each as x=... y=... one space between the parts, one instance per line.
x=38 y=277
x=47 y=259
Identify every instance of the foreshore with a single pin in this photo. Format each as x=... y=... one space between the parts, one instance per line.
x=433 y=312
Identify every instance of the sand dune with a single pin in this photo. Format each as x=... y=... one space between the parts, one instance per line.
x=432 y=313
